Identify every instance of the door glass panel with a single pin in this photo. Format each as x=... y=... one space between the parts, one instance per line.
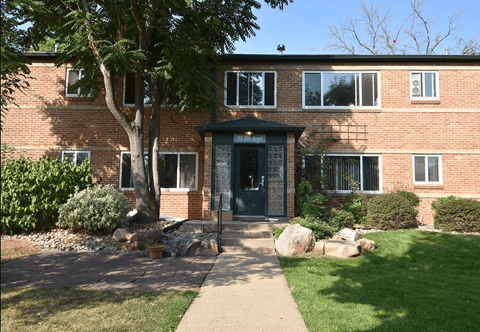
x=248 y=169
x=275 y=180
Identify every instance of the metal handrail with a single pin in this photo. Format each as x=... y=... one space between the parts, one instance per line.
x=219 y=219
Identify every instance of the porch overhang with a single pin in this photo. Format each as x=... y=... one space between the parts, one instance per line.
x=250 y=123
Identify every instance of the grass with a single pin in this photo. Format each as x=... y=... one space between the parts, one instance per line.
x=70 y=309
x=413 y=281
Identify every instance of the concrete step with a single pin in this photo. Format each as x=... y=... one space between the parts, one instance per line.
x=247 y=250
x=250 y=243
x=241 y=234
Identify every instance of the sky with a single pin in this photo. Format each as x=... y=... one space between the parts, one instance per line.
x=302 y=25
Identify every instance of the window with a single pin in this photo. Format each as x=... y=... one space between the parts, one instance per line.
x=129 y=91
x=424 y=85
x=427 y=169
x=178 y=170
x=250 y=89
x=73 y=76
x=75 y=157
x=343 y=171
x=340 y=89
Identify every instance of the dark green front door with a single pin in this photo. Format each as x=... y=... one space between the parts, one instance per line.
x=249 y=180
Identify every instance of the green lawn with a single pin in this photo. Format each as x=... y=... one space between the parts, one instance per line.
x=70 y=309
x=413 y=281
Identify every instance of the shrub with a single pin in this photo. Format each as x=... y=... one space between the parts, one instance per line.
x=390 y=211
x=411 y=197
x=32 y=191
x=460 y=215
x=320 y=228
x=356 y=204
x=277 y=231
x=439 y=201
x=308 y=202
x=340 y=219
x=95 y=209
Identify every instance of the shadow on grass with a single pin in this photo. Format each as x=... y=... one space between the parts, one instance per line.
x=414 y=281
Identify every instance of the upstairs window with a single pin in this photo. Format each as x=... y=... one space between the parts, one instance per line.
x=178 y=170
x=250 y=89
x=424 y=85
x=129 y=91
x=340 y=89
x=73 y=76
x=75 y=157
x=427 y=169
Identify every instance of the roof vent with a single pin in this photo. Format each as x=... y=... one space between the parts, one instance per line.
x=447 y=50
x=280 y=49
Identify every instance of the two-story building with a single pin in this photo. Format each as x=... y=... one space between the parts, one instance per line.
x=408 y=122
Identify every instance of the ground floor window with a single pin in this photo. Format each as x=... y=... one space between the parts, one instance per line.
x=75 y=157
x=178 y=170
x=343 y=173
x=427 y=169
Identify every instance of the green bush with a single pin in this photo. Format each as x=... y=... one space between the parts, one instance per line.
x=439 y=201
x=411 y=197
x=390 y=211
x=340 y=219
x=309 y=203
x=320 y=229
x=356 y=204
x=277 y=231
x=32 y=191
x=460 y=215
x=95 y=209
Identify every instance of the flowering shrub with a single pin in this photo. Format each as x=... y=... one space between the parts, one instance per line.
x=94 y=209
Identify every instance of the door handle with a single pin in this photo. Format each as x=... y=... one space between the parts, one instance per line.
x=263 y=181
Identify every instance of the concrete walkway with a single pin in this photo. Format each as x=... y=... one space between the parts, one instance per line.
x=244 y=292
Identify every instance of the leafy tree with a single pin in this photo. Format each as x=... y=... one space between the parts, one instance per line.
x=173 y=46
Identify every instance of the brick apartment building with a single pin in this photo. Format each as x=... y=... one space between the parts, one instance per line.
x=408 y=122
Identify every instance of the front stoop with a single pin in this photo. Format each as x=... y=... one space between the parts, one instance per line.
x=239 y=237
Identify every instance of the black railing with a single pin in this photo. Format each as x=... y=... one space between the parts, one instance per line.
x=219 y=219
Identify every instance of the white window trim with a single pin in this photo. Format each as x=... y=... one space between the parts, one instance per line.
x=380 y=173
x=437 y=80
x=75 y=152
x=178 y=172
x=123 y=95
x=67 y=80
x=440 y=177
x=341 y=72
x=238 y=87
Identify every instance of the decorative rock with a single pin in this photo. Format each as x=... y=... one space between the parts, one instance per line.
x=132 y=215
x=348 y=234
x=208 y=248
x=169 y=251
x=153 y=236
x=336 y=237
x=138 y=241
x=319 y=248
x=366 y=244
x=342 y=249
x=295 y=240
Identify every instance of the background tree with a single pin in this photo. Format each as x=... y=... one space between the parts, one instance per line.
x=173 y=46
x=375 y=31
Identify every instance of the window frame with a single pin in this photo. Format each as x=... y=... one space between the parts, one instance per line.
x=380 y=173
x=75 y=152
x=437 y=84
x=274 y=72
x=69 y=69
x=178 y=171
x=379 y=98
x=440 y=177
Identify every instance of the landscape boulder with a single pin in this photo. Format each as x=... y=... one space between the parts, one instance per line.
x=366 y=244
x=295 y=240
x=339 y=248
x=122 y=235
x=138 y=241
x=348 y=234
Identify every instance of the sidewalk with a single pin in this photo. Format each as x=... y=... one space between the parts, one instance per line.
x=244 y=292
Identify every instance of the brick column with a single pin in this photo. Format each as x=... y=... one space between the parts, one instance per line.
x=290 y=175
x=207 y=182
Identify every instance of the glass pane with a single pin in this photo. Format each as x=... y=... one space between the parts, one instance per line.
x=251 y=89
x=249 y=169
x=188 y=167
x=368 y=89
x=276 y=180
x=430 y=85
x=147 y=93
x=433 y=172
x=169 y=174
x=126 y=181
x=223 y=164
x=69 y=157
x=313 y=92
x=73 y=77
x=269 y=89
x=231 y=88
x=338 y=89
x=243 y=88
x=370 y=174
x=129 y=96
x=419 y=168
x=313 y=166
x=343 y=172
x=417 y=85
x=81 y=157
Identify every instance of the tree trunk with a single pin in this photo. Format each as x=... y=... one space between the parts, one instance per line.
x=153 y=150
